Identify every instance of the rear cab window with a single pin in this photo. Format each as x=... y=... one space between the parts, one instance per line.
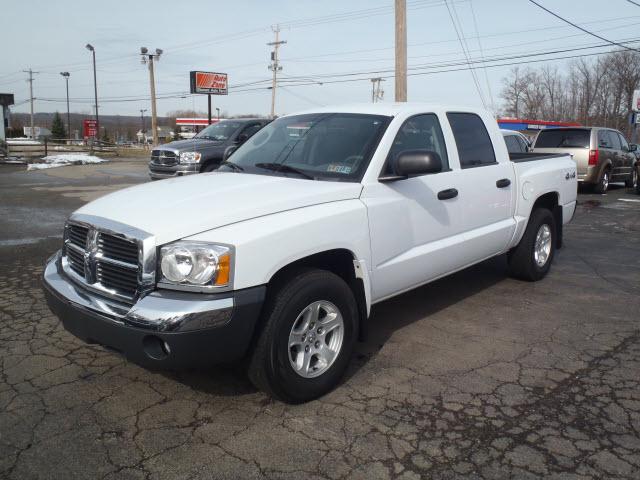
x=563 y=138
x=472 y=140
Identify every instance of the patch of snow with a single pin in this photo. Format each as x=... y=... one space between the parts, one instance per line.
x=22 y=141
x=61 y=160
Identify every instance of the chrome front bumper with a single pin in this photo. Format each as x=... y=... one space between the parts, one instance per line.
x=164 y=329
x=157 y=171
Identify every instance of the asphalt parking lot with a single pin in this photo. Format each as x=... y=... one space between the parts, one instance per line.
x=474 y=376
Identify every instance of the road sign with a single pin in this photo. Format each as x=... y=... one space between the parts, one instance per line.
x=635 y=103
x=89 y=128
x=212 y=83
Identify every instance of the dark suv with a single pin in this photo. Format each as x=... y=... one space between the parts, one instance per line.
x=205 y=151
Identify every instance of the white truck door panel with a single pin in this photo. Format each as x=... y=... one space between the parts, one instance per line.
x=485 y=184
x=414 y=236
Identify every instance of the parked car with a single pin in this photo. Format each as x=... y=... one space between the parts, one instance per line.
x=203 y=152
x=602 y=155
x=516 y=141
x=317 y=217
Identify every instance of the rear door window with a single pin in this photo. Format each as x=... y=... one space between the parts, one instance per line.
x=563 y=138
x=623 y=142
x=614 y=139
x=472 y=140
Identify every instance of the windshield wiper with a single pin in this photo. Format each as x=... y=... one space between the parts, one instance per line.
x=235 y=167
x=279 y=167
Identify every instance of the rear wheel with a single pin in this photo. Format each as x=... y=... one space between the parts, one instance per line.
x=532 y=258
x=603 y=184
x=309 y=332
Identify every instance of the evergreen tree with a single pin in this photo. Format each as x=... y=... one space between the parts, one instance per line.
x=57 y=128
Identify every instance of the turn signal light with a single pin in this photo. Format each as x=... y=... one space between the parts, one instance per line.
x=593 y=157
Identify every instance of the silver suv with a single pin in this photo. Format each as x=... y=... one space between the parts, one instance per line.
x=602 y=155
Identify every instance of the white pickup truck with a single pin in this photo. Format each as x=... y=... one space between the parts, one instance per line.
x=310 y=222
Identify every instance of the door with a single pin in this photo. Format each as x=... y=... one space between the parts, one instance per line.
x=485 y=187
x=415 y=237
x=607 y=143
x=628 y=158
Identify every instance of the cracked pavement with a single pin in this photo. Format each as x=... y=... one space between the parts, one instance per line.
x=474 y=376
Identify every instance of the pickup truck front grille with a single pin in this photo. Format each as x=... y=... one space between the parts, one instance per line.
x=105 y=262
x=164 y=157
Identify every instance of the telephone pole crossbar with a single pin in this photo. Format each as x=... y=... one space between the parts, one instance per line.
x=275 y=66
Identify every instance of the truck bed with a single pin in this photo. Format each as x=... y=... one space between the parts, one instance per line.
x=532 y=157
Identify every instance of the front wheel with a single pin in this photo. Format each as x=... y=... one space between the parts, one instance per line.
x=633 y=179
x=531 y=258
x=310 y=328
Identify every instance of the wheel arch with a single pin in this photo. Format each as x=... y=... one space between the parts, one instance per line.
x=550 y=201
x=340 y=261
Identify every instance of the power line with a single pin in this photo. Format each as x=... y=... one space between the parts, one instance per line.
x=583 y=29
x=634 y=3
x=466 y=55
x=486 y=76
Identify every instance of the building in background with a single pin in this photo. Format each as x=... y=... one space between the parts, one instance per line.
x=531 y=127
x=6 y=99
x=165 y=134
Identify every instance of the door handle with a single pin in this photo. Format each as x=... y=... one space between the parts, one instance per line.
x=503 y=183
x=447 y=194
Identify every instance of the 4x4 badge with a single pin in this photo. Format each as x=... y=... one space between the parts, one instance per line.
x=570 y=175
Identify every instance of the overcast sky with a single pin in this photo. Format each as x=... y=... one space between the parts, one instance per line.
x=327 y=41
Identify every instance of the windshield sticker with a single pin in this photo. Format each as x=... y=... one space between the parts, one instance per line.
x=339 y=168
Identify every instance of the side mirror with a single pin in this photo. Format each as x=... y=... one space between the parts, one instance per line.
x=243 y=137
x=633 y=147
x=228 y=151
x=417 y=162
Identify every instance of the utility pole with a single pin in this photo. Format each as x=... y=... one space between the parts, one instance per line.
x=30 y=80
x=142 y=110
x=401 y=50
x=377 y=93
x=151 y=58
x=66 y=76
x=275 y=67
x=89 y=47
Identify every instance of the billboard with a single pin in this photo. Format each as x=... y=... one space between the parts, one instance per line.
x=89 y=128
x=212 y=83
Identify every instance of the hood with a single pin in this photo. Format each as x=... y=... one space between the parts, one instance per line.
x=191 y=144
x=180 y=207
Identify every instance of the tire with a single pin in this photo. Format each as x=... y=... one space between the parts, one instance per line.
x=523 y=259
x=288 y=313
x=633 y=179
x=636 y=187
x=603 y=184
x=210 y=167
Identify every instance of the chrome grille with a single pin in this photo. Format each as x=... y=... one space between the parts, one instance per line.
x=164 y=157
x=77 y=235
x=103 y=261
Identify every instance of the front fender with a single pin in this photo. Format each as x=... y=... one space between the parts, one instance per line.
x=266 y=244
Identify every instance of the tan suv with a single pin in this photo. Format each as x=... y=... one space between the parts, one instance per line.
x=601 y=154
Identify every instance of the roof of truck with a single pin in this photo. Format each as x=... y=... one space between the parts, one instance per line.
x=389 y=109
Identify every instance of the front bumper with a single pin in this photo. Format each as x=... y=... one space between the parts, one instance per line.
x=157 y=171
x=165 y=329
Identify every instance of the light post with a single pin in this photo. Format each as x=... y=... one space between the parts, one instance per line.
x=95 y=85
x=218 y=112
x=66 y=76
x=142 y=110
x=151 y=58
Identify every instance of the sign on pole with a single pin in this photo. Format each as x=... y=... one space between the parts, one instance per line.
x=211 y=83
x=635 y=103
x=89 y=128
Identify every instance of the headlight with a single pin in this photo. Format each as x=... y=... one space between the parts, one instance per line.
x=196 y=266
x=190 y=157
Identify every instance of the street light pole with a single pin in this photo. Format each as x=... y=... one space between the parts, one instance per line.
x=66 y=76
x=95 y=85
x=151 y=58
x=142 y=110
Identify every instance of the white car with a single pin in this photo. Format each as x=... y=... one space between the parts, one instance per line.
x=516 y=141
x=317 y=217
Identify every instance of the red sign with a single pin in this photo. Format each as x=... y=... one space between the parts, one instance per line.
x=90 y=128
x=209 y=82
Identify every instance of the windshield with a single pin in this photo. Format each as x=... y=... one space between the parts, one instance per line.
x=327 y=146
x=220 y=131
x=563 y=138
